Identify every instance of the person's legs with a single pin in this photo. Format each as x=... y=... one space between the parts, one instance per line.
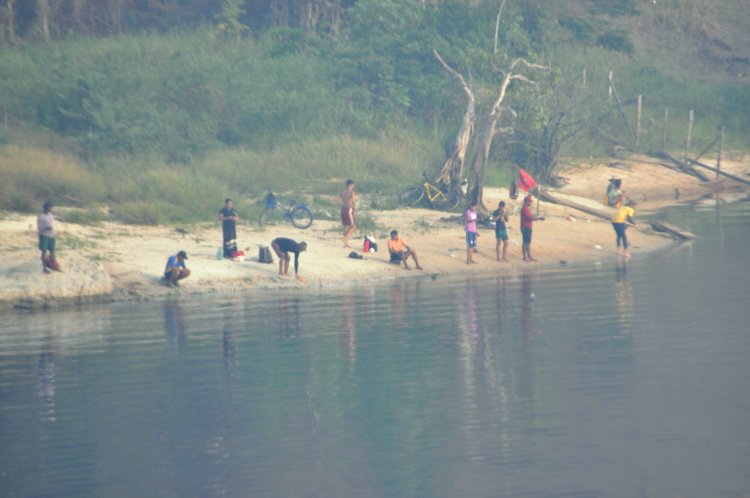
x=279 y=255
x=497 y=248
x=625 y=244
x=505 y=249
x=527 y=244
x=350 y=224
x=286 y=263
x=414 y=256
x=471 y=241
x=620 y=232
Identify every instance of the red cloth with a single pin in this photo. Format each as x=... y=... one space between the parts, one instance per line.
x=526 y=182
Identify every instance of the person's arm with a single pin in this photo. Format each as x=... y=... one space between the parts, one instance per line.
x=296 y=261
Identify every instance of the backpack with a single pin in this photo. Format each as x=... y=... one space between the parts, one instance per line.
x=264 y=255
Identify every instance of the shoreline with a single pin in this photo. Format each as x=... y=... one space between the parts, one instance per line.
x=122 y=263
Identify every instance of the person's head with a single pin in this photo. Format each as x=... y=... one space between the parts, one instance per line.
x=617 y=183
x=182 y=256
x=528 y=200
x=349 y=184
x=501 y=204
x=394 y=234
x=228 y=202
x=302 y=246
x=47 y=207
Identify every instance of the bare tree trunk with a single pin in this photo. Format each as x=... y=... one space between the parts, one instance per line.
x=451 y=172
x=487 y=133
x=42 y=7
x=11 y=20
x=497 y=24
x=77 y=16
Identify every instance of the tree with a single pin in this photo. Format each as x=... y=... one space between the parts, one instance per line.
x=452 y=169
x=231 y=11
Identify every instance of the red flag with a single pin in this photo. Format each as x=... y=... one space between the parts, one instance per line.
x=526 y=182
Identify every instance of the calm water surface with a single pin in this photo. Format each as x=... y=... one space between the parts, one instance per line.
x=588 y=381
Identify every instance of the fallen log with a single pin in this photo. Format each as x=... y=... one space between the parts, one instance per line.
x=723 y=173
x=545 y=195
x=683 y=166
x=663 y=226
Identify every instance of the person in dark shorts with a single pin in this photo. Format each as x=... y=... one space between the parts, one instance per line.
x=176 y=269
x=500 y=217
x=470 y=226
x=282 y=247
x=400 y=251
x=45 y=224
x=527 y=220
x=229 y=217
x=348 y=200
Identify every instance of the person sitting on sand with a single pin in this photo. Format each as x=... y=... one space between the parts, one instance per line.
x=622 y=215
x=400 y=251
x=176 y=269
x=470 y=225
x=527 y=221
x=282 y=247
x=500 y=217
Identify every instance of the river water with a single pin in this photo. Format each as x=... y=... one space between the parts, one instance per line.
x=592 y=380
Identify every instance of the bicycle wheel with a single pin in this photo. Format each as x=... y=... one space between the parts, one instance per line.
x=453 y=201
x=411 y=196
x=302 y=217
x=265 y=216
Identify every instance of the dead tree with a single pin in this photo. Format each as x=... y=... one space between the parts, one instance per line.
x=488 y=131
x=451 y=172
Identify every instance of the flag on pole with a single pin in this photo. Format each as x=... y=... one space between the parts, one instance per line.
x=526 y=182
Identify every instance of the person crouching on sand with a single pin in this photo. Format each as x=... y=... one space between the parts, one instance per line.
x=176 y=269
x=622 y=215
x=400 y=251
x=282 y=247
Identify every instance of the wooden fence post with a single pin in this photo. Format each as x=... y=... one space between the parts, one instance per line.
x=689 y=133
x=639 y=103
x=718 y=157
x=584 y=77
x=664 y=133
x=609 y=88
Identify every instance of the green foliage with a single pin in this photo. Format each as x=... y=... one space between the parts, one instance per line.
x=229 y=18
x=617 y=41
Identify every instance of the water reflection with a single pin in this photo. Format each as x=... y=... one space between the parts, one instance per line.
x=623 y=291
x=527 y=299
x=45 y=384
x=349 y=327
x=174 y=324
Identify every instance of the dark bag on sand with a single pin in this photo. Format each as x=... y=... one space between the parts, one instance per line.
x=354 y=255
x=264 y=255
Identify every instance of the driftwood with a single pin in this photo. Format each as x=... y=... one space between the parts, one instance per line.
x=683 y=166
x=545 y=195
x=662 y=226
x=723 y=173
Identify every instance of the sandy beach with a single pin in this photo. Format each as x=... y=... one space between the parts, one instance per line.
x=112 y=261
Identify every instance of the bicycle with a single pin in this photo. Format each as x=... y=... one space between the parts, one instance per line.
x=434 y=197
x=299 y=214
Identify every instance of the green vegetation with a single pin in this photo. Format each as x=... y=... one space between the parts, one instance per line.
x=164 y=120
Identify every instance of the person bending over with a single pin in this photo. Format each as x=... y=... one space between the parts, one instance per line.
x=176 y=269
x=282 y=247
x=400 y=251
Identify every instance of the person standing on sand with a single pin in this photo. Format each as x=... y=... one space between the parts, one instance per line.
x=470 y=225
x=622 y=215
x=45 y=225
x=500 y=217
x=348 y=203
x=229 y=217
x=527 y=221
x=176 y=269
x=282 y=247
x=400 y=251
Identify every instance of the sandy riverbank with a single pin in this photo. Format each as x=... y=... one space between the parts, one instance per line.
x=115 y=262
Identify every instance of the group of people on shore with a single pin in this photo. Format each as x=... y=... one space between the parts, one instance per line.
x=399 y=251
